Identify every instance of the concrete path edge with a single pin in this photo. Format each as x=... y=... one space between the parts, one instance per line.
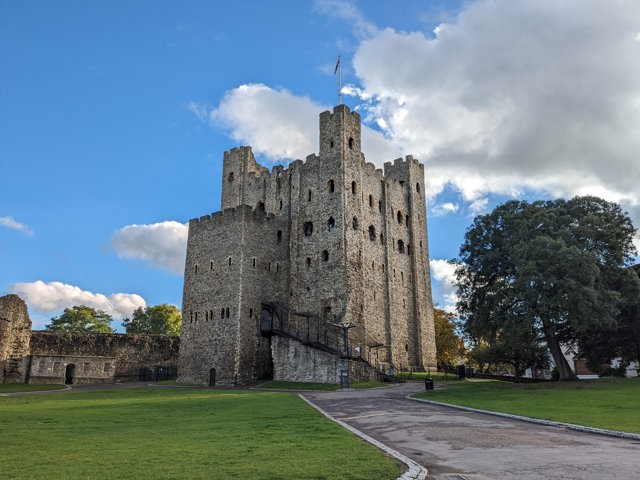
x=551 y=423
x=415 y=471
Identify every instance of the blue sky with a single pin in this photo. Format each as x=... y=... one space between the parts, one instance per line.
x=114 y=117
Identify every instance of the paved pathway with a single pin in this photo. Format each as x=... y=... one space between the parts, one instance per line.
x=459 y=445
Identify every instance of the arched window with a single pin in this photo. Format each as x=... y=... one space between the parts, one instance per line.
x=351 y=142
x=226 y=313
x=280 y=204
x=380 y=206
x=381 y=238
x=195 y=318
x=229 y=261
x=261 y=206
x=309 y=199
x=230 y=177
x=418 y=187
x=210 y=314
x=331 y=223
x=211 y=265
x=406 y=220
x=331 y=186
x=325 y=255
x=251 y=313
x=254 y=262
x=308 y=229
x=399 y=217
x=371 y=200
x=400 y=246
x=195 y=269
x=206 y=315
x=354 y=223
x=331 y=144
x=372 y=233
x=353 y=187
x=308 y=261
x=279 y=235
x=222 y=314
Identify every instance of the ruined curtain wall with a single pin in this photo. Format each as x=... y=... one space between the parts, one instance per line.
x=131 y=352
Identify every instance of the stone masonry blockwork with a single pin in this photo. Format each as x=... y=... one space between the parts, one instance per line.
x=323 y=246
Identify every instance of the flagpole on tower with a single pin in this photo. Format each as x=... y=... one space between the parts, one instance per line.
x=339 y=70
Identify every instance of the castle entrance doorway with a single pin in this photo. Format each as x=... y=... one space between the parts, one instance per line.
x=212 y=377
x=69 y=374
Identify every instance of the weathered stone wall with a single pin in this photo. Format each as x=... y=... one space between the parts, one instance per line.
x=295 y=362
x=73 y=370
x=131 y=352
x=15 y=335
x=346 y=240
x=235 y=260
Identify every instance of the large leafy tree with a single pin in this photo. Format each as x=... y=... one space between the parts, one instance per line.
x=450 y=347
x=599 y=344
x=160 y=320
x=520 y=350
x=82 y=319
x=557 y=268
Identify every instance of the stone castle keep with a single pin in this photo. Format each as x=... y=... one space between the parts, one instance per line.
x=316 y=272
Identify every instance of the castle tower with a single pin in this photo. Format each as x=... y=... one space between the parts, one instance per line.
x=331 y=239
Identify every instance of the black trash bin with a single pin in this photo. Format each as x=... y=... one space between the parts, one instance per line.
x=428 y=383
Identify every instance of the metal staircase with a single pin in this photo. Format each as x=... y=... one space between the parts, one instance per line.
x=311 y=329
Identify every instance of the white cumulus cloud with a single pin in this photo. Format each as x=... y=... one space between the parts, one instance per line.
x=56 y=296
x=11 y=223
x=281 y=126
x=513 y=95
x=163 y=244
x=444 y=272
x=444 y=209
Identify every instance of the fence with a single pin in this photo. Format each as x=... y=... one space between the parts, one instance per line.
x=158 y=374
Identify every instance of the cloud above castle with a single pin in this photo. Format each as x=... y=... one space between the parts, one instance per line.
x=550 y=107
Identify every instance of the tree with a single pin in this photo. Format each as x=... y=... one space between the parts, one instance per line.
x=449 y=346
x=83 y=319
x=555 y=267
x=600 y=344
x=518 y=352
x=159 y=320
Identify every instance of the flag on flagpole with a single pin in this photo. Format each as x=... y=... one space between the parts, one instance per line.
x=337 y=66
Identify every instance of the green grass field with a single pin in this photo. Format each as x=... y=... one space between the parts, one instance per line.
x=158 y=433
x=23 y=387
x=605 y=403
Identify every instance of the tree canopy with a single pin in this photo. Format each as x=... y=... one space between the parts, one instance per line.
x=450 y=347
x=82 y=319
x=555 y=270
x=159 y=320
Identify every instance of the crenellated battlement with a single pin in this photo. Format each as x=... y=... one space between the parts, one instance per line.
x=232 y=215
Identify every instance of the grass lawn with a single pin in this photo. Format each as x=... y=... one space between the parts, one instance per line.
x=24 y=387
x=133 y=433
x=606 y=403
x=280 y=385
x=420 y=376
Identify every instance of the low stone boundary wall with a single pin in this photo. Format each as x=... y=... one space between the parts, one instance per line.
x=131 y=352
